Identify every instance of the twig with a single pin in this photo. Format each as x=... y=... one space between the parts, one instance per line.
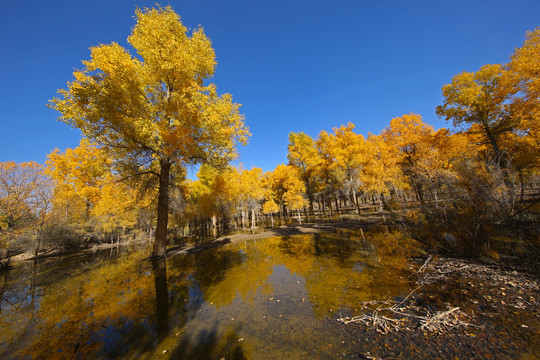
x=412 y=292
x=425 y=264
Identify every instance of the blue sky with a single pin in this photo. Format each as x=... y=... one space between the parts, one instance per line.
x=294 y=65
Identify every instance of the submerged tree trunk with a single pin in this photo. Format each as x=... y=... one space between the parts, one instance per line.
x=160 y=242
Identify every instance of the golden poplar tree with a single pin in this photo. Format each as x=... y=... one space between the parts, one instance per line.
x=154 y=110
x=475 y=99
x=303 y=155
x=522 y=81
x=77 y=174
x=413 y=138
x=348 y=149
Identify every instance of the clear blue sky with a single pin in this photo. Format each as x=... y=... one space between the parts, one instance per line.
x=294 y=65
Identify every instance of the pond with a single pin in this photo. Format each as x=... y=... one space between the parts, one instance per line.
x=257 y=299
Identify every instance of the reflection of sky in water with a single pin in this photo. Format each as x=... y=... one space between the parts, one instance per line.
x=359 y=267
x=276 y=298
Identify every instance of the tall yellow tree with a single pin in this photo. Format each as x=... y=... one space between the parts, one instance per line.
x=286 y=187
x=154 y=111
x=303 y=155
x=381 y=170
x=348 y=149
x=475 y=99
x=522 y=80
x=327 y=170
x=252 y=193
x=413 y=138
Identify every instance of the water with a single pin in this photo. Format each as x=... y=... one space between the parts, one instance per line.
x=258 y=299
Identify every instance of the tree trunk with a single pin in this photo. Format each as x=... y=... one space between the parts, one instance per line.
x=310 y=197
x=355 y=201
x=160 y=242
x=522 y=188
x=38 y=235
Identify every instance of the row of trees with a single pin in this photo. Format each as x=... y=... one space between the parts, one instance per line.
x=151 y=115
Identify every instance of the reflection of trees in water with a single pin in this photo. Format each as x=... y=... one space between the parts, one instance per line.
x=159 y=267
x=107 y=310
x=343 y=271
x=125 y=306
x=210 y=344
x=12 y=303
x=339 y=271
x=224 y=273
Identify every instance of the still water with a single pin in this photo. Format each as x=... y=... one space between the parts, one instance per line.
x=277 y=298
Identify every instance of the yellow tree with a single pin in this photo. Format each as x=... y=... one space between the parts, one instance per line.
x=293 y=197
x=475 y=99
x=522 y=80
x=77 y=174
x=154 y=111
x=218 y=192
x=287 y=187
x=413 y=138
x=252 y=192
x=327 y=171
x=270 y=207
x=117 y=205
x=303 y=155
x=348 y=149
x=381 y=169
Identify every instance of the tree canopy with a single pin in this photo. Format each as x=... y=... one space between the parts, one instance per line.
x=153 y=110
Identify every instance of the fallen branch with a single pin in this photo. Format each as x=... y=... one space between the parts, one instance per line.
x=425 y=264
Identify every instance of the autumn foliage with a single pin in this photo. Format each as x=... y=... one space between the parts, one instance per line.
x=146 y=117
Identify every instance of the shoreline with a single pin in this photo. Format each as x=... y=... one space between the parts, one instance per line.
x=319 y=226
x=284 y=230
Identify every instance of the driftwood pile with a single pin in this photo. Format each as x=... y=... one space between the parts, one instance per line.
x=408 y=317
